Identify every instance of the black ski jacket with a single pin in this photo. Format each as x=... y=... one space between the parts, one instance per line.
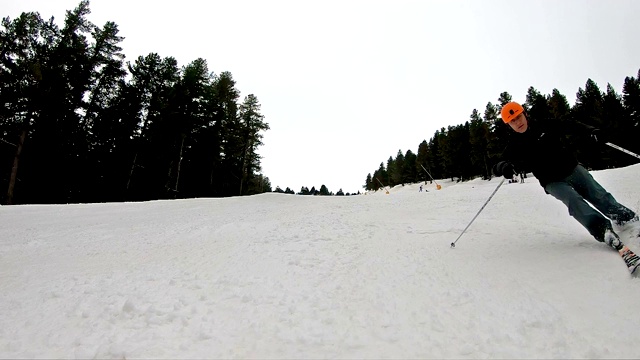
x=542 y=149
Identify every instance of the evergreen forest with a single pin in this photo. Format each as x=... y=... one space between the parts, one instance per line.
x=81 y=124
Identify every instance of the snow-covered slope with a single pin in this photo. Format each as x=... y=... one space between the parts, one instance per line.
x=285 y=276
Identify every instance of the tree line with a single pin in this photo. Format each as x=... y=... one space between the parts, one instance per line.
x=469 y=150
x=80 y=125
x=323 y=191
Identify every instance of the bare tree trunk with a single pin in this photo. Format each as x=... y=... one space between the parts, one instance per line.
x=179 y=163
x=244 y=164
x=14 y=169
x=133 y=166
x=243 y=176
x=486 y=166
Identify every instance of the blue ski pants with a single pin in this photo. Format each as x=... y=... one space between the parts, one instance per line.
x=579 y=188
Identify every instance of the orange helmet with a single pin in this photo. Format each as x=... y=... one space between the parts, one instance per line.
x=510 y=111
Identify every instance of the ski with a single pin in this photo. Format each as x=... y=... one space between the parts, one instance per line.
x=630 y=259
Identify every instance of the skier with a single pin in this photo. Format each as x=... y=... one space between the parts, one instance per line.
x=539 y=146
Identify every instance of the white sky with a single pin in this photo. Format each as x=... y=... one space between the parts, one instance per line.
x=277 y=276
x=346 y=84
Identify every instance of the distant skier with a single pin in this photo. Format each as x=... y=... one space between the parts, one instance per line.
x=420 y=188
x=539 y=146
x=522 y=176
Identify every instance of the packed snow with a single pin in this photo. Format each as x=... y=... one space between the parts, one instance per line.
x=289 y=276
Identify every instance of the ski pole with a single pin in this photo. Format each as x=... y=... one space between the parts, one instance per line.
x=623 y=150
x=453 y=244
x=437 y=185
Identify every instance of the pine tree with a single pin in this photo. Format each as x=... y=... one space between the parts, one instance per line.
x=537 y=106
x=26 y=43
x=409 y=171
x=192 y=110
x=616 y=125
x=588 y=110
x=229 y=131
x=630 y=130
x=109 y=131
x=559 y=106
x=53 y=163
x=479 y=141
x=252 y=126
x=588 y=105
x=398 y=165
x=458 y=151
x=391 y=173
x=422 y=162
x=368 y=185
x=434 y=159
x=383 y=173
x=504 y=98
x=499 y=132
x=154 y=80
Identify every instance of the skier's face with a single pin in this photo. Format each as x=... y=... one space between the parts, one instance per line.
x=519 y=124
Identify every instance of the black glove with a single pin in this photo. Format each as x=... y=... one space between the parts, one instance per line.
x=504 y=168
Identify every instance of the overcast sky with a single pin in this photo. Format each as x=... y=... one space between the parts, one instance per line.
x=345 y=84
